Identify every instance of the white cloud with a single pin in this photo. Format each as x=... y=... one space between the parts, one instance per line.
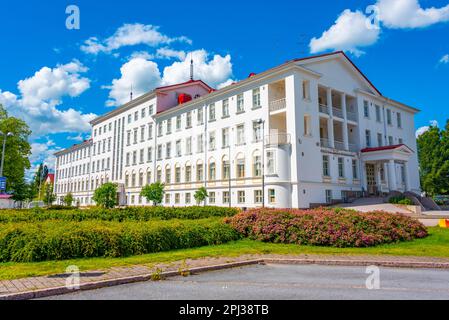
x=409 y=14
x=78 y=138
x=131 y=35
x=349 y=32
x=445 y=59
x=167 y=53
x=424 y=129
x=144 y=75
x=41 y=94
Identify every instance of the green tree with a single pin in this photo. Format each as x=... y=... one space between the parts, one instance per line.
x=106 y=195
x=154 y=193
x=68 y=199
x=433 y=153
x=17 y=153
x=49 y=196
x=201 y=195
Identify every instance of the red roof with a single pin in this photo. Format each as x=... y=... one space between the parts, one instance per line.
x=51 y=176
x=185 y=83
x=5 y=196
x=383 y=148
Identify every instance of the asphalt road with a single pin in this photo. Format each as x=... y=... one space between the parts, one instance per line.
x=283 y=282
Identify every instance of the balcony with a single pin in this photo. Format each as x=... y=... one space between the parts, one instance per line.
x=279 y=139
x=337 y=112
x=352 y=116
x=323 y=109
x=338 y=145
x=278 y=105
x=325 y=143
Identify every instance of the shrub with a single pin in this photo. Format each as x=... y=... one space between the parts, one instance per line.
x=406 y=202
x=326 y=227
x=401 y=200
x=56 y=240
x=126 y=214
x=106 y=195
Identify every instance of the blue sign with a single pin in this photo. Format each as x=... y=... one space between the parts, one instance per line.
x=2 y=184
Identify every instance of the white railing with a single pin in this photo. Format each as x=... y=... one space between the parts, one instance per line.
x=277 y=105
x=278 y=139
x=325 y=143
x=323 y=109
x=337 y=112
x=339 y=145
x=353 y=147
x=352 y=116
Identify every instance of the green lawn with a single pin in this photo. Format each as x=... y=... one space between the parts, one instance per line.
x=436 y=245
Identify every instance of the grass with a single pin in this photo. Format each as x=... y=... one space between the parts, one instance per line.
x=436 y=245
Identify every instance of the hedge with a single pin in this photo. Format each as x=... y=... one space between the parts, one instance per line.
x=56 y=240
x=126 y=214
x=327 y=227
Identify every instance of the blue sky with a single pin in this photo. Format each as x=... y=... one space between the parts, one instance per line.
x=57 y=82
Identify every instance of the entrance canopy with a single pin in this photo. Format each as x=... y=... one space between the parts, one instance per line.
x=400 y=153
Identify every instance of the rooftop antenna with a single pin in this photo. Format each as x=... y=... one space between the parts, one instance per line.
x=191 y=67
x=131 y=93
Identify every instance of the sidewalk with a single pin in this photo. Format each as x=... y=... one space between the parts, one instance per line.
x=29 y=288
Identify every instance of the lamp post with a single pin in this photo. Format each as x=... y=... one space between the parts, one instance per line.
x=5 y=136
x=262 y=122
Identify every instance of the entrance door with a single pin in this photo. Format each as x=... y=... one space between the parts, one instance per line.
x=371 y=179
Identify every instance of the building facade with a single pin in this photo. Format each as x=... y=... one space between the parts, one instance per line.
x=309 y=132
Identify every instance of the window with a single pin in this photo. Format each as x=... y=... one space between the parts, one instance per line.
x=134 y=158
x=226 y=198
x=389 y=122
x=133 y=180
x=159 y=175
x=240 y=103
x=399 y=120
x=379 y=140
x=241 y=197
x=141 y=179
x=151 y=110
x=272 y=196
x=167 y=175
x=368 y=138
x=178 y=148
x=257 y=131
x=177 y=198
x=178 y=174
x=189 y=146
x=167 y=198
x=189 y=120
x=159 y=152
x=143 y=113
x=326 y=171
x=150 y=131
x=212 y=112
x=200 y=143
x=341 y=167
x=355 y=171
x=226 y=170
x=200 y=117
x=148 y=177
x=256 y=98
x=366 y=109
x=142 y=156
x=126 y=180
x=257 y=166
x=188 y=174
x=329 y=196
x=159 y=129
x=225 y=137
x=258 y=196
x=390 y=140
x=128 y=161
x=199 y=172
x=378 y=118
x=142 y=134
x=169 y=128
x=135 y=135
x=188 y=198
x=212 y=141
x=271 y=162
x=240 y=168
x=225 y=108
x=178 y=123
x=307 y=126
x=401 y=141
x=168 y=150
x=212 y=172
x=149 y=154
x=240 y=134
x=306 y=90
x=136 y=116
x=128 y=139
x=212 y=197
x=129 y=118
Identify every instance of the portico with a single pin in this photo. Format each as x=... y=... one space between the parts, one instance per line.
x=386 y=169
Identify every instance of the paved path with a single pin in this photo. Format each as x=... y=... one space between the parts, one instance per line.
x=373 y=204
x=283 y=282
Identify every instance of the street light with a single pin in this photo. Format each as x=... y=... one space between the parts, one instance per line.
x=9 y=134
x=262 y=122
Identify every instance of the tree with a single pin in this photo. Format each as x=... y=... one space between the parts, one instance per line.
x=201 y=195
x=68 y=199
x=154 y=193
x=433 y=153
x=49 y=196
x=106 y=195
x=17 y=153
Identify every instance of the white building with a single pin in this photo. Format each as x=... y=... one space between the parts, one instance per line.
x=326 y=133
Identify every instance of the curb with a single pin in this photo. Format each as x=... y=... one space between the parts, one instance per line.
x=44 y=293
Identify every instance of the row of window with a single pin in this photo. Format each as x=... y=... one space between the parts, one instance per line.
x=378 y=112
x=83 y=169
x=380 y=140
x=341 y=168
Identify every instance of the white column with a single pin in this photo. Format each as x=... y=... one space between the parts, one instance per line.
x=330 y=122
x=378 y=178
x=345 y=122
x=392 y=183
x=408 y=186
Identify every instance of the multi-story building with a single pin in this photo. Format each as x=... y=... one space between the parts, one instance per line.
x=311 y=131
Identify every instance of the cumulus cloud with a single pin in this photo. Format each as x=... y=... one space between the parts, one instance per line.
x=349 y=32
x=144 y=75
x=42 y=93
x=131 y=35
x=424 y=129
x=445 y=59
x=167 y=53
x=399 y=14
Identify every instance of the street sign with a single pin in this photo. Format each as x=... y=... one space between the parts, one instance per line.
x=2 y=184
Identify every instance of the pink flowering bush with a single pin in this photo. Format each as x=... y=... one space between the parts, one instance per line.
x=326 y=227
